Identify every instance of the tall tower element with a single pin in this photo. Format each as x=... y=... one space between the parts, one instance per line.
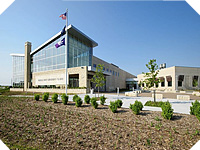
x=27 y=66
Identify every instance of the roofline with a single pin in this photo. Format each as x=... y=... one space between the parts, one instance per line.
x=59 y=34
x=14 y=54
x=186 y=67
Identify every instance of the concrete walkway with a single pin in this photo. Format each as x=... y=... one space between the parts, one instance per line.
x=179 y=106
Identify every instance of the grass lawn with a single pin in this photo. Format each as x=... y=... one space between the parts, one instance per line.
x=29 y=124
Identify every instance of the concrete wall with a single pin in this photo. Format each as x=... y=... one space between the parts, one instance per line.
x=74 y=91
x=163 y=73
x=113 y=81
x=189 y=73
x=174 y=72
x=58 y=78
x=16 y=89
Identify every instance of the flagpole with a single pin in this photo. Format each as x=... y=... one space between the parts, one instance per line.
x=66 y=50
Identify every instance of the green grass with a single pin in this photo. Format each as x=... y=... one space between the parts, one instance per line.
x=154 y=104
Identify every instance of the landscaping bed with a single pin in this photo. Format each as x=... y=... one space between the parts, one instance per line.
x=29 y=124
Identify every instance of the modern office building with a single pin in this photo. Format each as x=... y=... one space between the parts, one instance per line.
x=176 y=78
x=43 y=69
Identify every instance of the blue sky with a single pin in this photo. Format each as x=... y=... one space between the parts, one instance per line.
x=129 y=34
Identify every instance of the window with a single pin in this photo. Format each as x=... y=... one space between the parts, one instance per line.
x=113 y=73
x=110 y=71
x=118 y=74
x=107 y=70
x=195 y=81
x=94 y=65
x=169 y=80
x=103 y=68
x=162 y=84
x=179 y=83
x=170 y=83
x=180 y=80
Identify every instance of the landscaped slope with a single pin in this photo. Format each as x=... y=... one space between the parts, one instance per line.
x=26 y=123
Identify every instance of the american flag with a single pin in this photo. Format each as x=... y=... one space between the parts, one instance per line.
x=63 y=16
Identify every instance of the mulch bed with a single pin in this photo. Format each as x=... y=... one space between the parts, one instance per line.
x=29 y=124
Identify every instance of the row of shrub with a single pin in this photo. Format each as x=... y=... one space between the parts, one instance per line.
x=54 y=98
x=167 y=111
x=195 y=109
x=78 y=101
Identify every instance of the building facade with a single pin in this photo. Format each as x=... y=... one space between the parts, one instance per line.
x=44 y=67
x=176 y=78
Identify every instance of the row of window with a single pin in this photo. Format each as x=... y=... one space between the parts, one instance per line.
x=111 y=71
x=50 y=57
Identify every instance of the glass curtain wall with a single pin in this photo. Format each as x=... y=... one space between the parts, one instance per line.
x=51 y=58
x=18 y=71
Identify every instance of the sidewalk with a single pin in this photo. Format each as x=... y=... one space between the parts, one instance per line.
x=179 y=106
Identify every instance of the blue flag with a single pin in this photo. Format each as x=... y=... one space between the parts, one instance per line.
x=63 y=31
x=60 y=43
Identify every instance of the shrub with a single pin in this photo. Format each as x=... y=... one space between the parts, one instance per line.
x=37 y=97
x=194 y=107
x=136 y=107
x=64 y=98
x=154 y=104
x=54 y=98
x=74 y=97
x=102 y=100
x=197 y=112
x=119 y=103
x=113 y=107
x=45 y=97
x=78 y=102
x=94 y=102
x=167 y=111
x=87 y=99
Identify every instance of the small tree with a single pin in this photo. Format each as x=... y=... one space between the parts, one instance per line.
x=99 y=78
x=151 y=79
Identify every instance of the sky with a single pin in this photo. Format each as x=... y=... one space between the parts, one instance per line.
x=128 y=33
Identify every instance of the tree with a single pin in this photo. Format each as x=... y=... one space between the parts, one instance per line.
x=99 y=78
x=151 y=79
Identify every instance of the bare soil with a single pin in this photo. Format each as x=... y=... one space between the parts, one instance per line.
x=29 y=124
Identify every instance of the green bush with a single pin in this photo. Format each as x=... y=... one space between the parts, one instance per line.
x=194 y=107
x=136 y=107
x=87 y=99
x=197 y=112
x=94 y=102
x=119 y=103
x=37 y=97
x=167 y=111
x=113 y=107
x=45 y=97
x=102 y=100
x=154 y=104
x=64 y=98
x=78 y=102
x=54 y=98
x=74 y=97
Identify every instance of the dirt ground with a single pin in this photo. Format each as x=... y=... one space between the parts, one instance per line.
x=29 y=124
